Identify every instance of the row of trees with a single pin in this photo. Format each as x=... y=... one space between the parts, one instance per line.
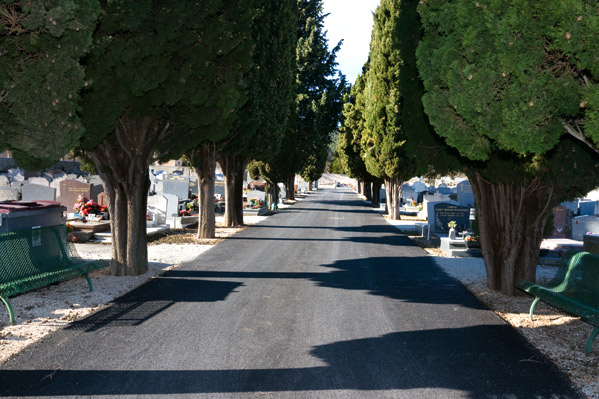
x=127 y=84
x=505 y=92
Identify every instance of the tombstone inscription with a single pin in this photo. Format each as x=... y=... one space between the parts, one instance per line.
x=70 y=190
x=445 y=213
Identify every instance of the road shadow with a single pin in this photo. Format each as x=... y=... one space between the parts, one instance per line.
x=485 y=361
x=415 y=279
x=152 y=298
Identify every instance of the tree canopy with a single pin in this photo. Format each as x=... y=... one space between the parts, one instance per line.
x=40 y=77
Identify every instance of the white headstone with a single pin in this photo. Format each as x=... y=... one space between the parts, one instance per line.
x=4 y=181
x=56 y=184
x=157 y=207
x=172 y=206
x=41 y=181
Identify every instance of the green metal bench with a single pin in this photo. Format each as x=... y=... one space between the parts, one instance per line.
x=574 y=289
x=37 y=257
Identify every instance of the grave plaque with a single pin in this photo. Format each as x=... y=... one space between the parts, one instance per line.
x=465 y=194
x=38 y=192
x=176 y=185
x=96 y=190
x=8 y=194
x=445 y=213
x=70 y=190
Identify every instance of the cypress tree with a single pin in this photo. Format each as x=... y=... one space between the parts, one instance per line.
x=508 y=85
x=41 y=45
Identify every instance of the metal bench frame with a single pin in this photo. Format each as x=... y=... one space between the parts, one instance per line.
x=31 y=271
x=566 y=293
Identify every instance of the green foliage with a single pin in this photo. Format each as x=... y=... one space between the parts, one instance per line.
x=42 y=42
x=336 y=165
x=263 y=120
x=180 y=62
x=320 y=90
x=508 y=75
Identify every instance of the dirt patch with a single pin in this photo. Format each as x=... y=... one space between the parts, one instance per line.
x=189 y=235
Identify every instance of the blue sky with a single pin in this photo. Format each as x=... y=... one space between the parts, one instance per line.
x=350 y=20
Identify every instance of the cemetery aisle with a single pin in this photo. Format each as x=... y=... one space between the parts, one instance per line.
x=322 y=300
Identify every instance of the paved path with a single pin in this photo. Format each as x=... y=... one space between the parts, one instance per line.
x=323 y=300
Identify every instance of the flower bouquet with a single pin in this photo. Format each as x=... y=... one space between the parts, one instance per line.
x=84 y=209
x=472 y=241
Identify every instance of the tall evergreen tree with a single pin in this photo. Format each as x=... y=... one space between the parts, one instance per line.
x=385 y=136
x=508 y=84
x=165 y=76
x=41 y=44
x=265 y=118
x=320 y=89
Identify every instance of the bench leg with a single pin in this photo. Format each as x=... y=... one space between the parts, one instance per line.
x=11 y=313
x=89 y=282
x=532 y=307
x=591 y=338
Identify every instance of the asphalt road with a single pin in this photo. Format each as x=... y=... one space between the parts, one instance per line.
x=322 y=300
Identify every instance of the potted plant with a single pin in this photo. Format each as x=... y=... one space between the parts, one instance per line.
x=452 y=225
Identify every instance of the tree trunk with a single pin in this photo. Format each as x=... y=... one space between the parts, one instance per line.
x=290 y=188
x=361 y=186
x=376 y=194
x=511 y=219
x=233 y=167
x=310 y=186
x=203 y=160
x=368 y=190
x=272 y=195
x=122 y=161
x=393 y=193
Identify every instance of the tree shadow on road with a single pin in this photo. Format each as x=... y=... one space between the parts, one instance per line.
x=484 y=361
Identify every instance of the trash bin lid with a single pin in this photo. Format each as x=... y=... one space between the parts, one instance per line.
x=16 y=206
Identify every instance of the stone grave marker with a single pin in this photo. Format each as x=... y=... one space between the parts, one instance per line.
x=4 y=181
x=444 y=190
x=70 y=190
x=428 y=199
x=102 y=199
x=72 y=176
x=19 y=176
x=408 y=192
x=559 y=221
x=172 y=206
x=38 y=192
x=444 y=212
x=194 y=189
x=96 y=190
x=419 y=187
x=588 y=208
x=8 y=194
x=256 y=194
x=572 y=206
x=95 y=179
x=157 y=207
x=219 y=188
x=40 y=181
x=56 y=184
x=584 y=224
x=176 y=185
x=465 y=194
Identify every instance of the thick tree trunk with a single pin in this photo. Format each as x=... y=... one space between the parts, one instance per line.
x=393 y=193
x=511 y=220
x=310 y=186
x=368 y=190
x=376 y=194
x=233 y=167
x=122 y=161
x=272 y=195
x=203 y=160
x=290 y=188
x=361 y=187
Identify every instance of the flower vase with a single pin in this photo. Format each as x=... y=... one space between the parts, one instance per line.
x=452 y=234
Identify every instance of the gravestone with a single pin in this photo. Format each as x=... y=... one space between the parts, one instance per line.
x=96 y=190
x=176 y=185
x=193 y=188
x=56 y=184
x=40 y=181
x=572 y=206
x=588 y=208
x=444 y=190
x=19 y=176
x=219 y=188
x=4 y=181
x=71 y=176
x=584 y=224
x=465 y=194
x=70 y=190
x=95 y=179
x=560 y=214
x=172 y=206
x=8 y=194
x=38 y=192
x=444 y=212
x=157 y=207
x=256 y=194
x=419 y=187
x=408 y=193
x=102 y=199
x=428 y=199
